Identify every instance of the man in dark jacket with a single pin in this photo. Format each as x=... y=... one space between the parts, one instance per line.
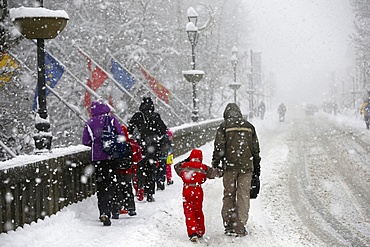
x=106 y=168
x=151 y=129
x=236 y=147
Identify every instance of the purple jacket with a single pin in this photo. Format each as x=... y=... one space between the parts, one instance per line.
x=94 y=127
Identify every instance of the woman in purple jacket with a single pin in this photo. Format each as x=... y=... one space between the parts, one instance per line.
x=106 y=168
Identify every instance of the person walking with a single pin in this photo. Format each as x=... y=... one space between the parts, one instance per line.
x=169 y=159
x=194 y=173
x=281 y=110
x=126 y=195
x=262 y=109
x=151 y=129
x=106 y=168
x=236 y=153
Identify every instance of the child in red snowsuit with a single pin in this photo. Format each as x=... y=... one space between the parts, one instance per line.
x=194 y=173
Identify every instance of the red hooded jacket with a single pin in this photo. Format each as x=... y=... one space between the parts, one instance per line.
x=193 y=172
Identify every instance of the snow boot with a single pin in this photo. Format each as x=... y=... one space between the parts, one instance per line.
x=131 y=212
x=193 y=237
x=140 y=195
x=105 y=219
x=150 y=198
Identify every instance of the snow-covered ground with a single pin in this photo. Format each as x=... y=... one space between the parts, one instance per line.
x=315 y=180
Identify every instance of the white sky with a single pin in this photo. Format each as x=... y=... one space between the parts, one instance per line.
x=302 y=41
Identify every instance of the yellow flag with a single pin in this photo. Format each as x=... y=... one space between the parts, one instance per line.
x=8 y=66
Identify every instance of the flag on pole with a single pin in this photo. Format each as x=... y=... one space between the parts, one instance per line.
x=122 y=76
x=53 y=72
x=96 y=78
x=8 y=66
x=161 y=91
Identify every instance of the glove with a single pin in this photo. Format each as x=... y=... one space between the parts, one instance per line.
x=257 y=170
x=214 y=165
x=220 y=172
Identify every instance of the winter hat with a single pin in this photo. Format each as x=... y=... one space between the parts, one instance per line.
x=125 y=131
x=196 y=155
x=146 y=105
x=99 y=107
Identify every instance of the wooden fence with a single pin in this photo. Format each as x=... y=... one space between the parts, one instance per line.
x=34 y=190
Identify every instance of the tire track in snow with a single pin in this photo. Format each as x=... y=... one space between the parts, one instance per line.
x=313 y=208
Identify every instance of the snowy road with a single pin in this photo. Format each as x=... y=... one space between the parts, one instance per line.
x=330 y=181
x=315 y=180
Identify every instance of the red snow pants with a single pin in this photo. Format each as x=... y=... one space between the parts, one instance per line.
x=192 y=204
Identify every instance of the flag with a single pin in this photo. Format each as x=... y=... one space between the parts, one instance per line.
x=53 y=72
x=8 y=66
x=122 y=76
x=161 y=92
x=96 y=78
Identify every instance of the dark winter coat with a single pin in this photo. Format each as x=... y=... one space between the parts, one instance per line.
x=148 y=123
x=94 y=127
x=236 y=144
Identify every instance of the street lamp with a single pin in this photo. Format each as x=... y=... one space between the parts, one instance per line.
x=193 y=75
x=234 y=61
x=40 y=24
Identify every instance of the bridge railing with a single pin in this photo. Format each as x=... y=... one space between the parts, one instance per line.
x=32 y=190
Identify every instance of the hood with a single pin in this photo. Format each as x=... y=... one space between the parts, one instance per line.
x=125 y=132
x=146 y=105
x=232 y=110
x=196 y=156
x=99 y=108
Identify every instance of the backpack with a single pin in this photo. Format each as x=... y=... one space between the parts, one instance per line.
x=113 y=144
x=127 y=159
x=133 y=154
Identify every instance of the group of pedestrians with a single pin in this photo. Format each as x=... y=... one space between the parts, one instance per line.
x=235 y=158
x=148 y=147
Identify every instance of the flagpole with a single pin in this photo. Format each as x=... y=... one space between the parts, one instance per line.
x=66 y=103
x=190 y=110
x=81 y=83
x=8 y=150
x=97 y=96
x=149 y=90
x=108 y=74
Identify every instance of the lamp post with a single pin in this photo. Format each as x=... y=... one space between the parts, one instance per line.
x=234 y=62
x=193 y=75
x=40 y=24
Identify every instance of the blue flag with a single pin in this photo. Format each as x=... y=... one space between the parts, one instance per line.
x=53 y=72
x=122 y=76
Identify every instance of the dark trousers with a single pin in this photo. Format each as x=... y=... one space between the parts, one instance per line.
x=146 y=173
x=107 y=182
x=161 y=171
x=127 y=197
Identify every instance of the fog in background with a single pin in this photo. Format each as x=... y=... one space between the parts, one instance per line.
x=305 y=43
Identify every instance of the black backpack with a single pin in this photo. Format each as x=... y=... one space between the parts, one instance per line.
x=127 y=159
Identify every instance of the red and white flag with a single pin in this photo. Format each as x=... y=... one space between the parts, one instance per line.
x=161 y=91
x=96 y=78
